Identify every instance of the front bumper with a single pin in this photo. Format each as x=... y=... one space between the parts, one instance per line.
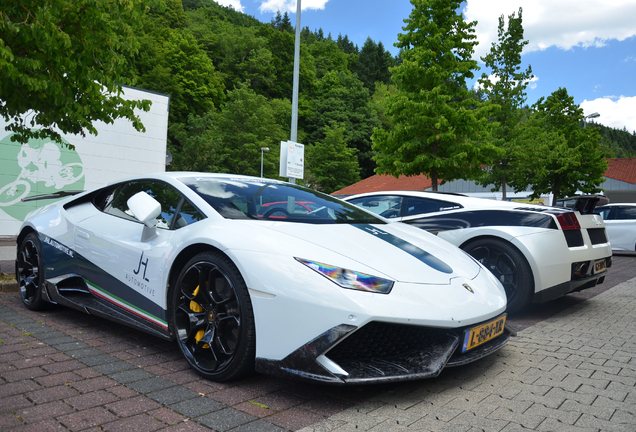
x=378 y=352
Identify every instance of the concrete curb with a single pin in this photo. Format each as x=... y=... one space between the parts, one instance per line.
x=9 y=287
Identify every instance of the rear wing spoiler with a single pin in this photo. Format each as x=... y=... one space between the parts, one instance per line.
x=54 y=195
x=585 y=204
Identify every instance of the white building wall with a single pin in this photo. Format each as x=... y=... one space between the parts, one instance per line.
x=116 y=152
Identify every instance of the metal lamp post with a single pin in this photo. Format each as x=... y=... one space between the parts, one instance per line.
x=263 y=150
x=593 y=115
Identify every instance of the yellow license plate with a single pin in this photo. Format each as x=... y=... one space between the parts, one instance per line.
x=483 y=333
x=600 y=266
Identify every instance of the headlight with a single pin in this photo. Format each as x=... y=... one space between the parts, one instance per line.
x=350 y=279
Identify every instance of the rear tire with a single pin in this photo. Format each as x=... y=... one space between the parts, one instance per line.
x=211 y=315
x=509 y=266
x=30 y=273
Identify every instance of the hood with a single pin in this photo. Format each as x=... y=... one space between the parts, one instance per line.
x=403 y=253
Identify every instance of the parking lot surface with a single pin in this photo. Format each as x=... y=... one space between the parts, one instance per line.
x=571 y=368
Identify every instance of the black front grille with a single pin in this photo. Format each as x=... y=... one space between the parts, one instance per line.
x=574 y=238
x=378 y=340
x=597 y=235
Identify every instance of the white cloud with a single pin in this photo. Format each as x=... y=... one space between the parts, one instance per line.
x=236 y=4
x=616 y=112
x=563 y=23
x=290 y=5
x=532 y=83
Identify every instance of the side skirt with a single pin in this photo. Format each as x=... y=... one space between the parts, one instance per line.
x=71 y=291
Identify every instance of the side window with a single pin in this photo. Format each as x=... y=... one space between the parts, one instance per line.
x=605 y=212
x=188 y=215
x=169 y=198
x=624 y=213
x=384 y=205
x=415 y=206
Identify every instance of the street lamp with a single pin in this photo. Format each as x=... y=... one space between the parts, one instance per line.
x=593 y=115
x=263 y=150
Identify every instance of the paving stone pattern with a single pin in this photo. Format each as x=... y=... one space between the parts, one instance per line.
x=64 y=370
x=575 y=371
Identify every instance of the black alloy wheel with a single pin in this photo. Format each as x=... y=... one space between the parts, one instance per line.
x=212 y=318
x=30 y=272
x=509 y=266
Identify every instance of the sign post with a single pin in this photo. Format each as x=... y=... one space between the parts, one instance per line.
x=292 y=160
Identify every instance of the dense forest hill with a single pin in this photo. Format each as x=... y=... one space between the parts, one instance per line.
x=229 y=77
x=617 y=143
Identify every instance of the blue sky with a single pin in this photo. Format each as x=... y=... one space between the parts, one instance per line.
x=586 y=46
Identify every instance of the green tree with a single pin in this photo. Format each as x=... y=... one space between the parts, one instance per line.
x=560 y=157
x=434 y=132
x=506 y=87
x=340 y=97
x=173 y=63
x=331 y=165
x=64 y=62
x=230 y=140
x=373 y=64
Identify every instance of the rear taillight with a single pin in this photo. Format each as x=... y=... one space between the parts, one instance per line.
x=568 y=221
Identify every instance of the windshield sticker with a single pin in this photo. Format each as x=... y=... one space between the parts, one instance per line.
x=407 y=247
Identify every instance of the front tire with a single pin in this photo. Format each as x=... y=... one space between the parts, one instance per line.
x=212 y=317
x=30 y=273
x=509 y=266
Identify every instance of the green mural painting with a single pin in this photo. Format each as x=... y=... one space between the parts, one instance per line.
x=35 y=168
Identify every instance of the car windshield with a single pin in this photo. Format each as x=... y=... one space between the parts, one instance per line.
x=263 y=199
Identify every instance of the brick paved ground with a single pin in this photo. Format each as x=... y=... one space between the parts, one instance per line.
x=63 y=370
x=575 y=371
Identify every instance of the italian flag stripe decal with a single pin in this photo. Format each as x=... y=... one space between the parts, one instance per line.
x=101 y=293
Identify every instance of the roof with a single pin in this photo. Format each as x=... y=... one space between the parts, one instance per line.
x=622 y=169
x=618 y=169
x=385 y=182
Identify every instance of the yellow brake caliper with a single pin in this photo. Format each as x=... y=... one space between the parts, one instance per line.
x=196 y=307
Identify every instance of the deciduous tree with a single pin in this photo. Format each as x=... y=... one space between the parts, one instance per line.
x=62 y=62
x=561 y=157
x=506 y=87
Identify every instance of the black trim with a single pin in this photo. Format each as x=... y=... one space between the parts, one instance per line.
x=573 y=238
x=483 y=218
x=597 y=235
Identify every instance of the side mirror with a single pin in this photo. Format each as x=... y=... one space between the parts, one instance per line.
x=145 y=208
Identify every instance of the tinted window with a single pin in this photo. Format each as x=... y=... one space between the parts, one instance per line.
x=115 y=202
x=387 y=206
x=416 y=205
x=605 y=212
x=244 y=198
x=188 y=215
x=624 y=213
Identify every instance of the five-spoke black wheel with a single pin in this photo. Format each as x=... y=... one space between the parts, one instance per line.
x=509 y=266
x=212 y=318
x=30 y=272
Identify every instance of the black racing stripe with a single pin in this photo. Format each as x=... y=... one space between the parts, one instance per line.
x=407 y=247
x=483 y=218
